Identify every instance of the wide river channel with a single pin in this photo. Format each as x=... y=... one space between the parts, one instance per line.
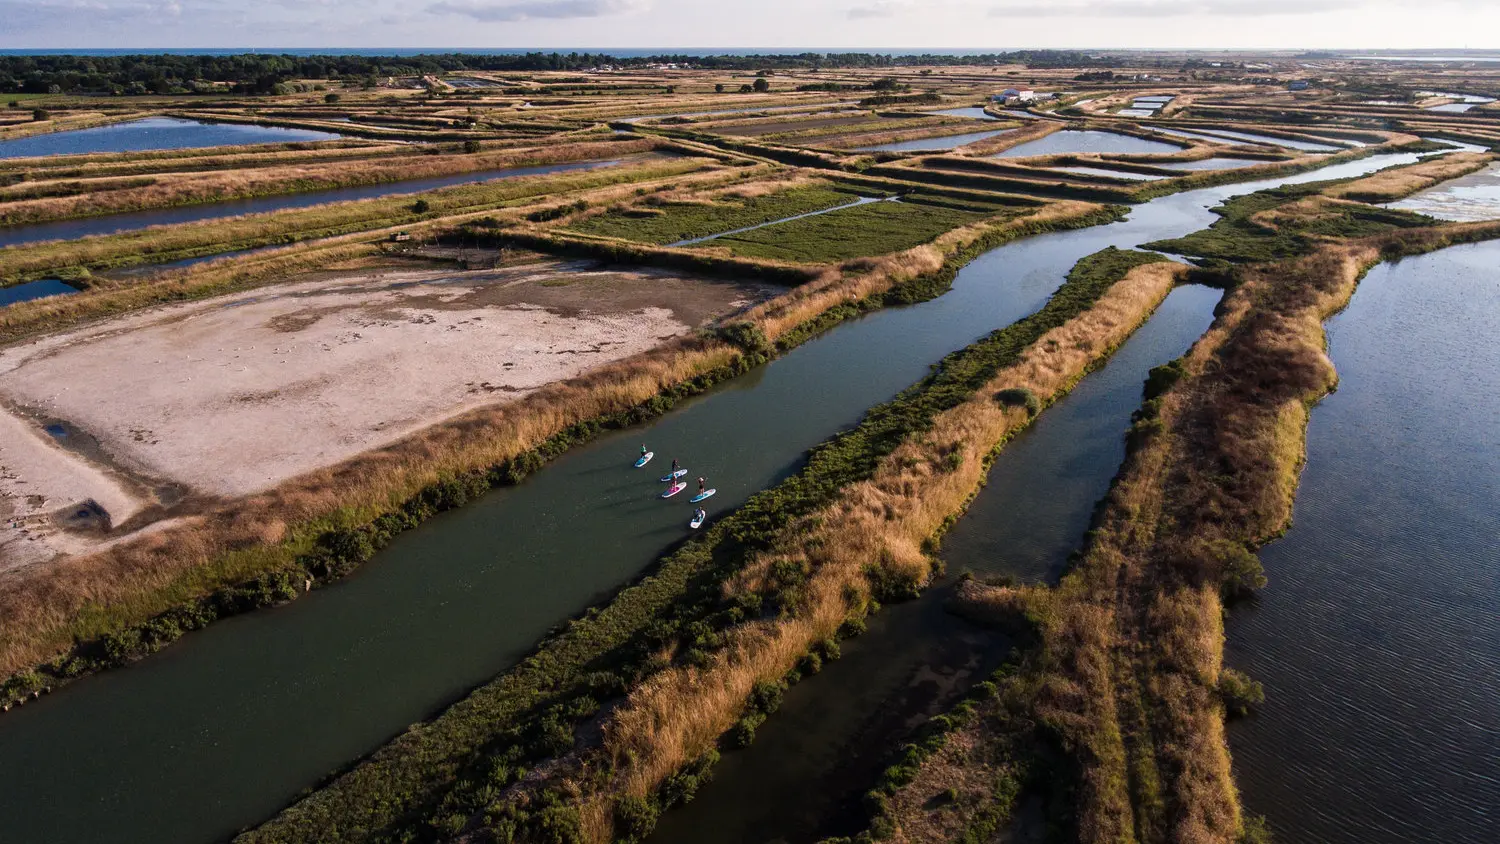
x=223 y=728
x=1378 y=638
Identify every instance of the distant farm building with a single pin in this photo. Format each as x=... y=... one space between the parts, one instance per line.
x=1298 y=85
x=1014 y=95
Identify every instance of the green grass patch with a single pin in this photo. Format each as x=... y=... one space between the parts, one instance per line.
x=670 y=222
x=1237 y=238
x=874 y=229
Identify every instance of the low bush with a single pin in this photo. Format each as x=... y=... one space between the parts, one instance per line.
x=1020 y=397
x=1239 y=693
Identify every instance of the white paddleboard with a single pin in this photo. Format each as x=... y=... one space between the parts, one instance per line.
x=673 y=476
x=707 y=493
x=674 y=489
x=697 y=522
x=645 y=458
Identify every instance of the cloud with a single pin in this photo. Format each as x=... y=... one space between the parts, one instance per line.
x=1174 y=8
x=491 y=11
x=23 y=15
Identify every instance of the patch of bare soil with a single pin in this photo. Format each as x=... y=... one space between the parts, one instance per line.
x=235 y=394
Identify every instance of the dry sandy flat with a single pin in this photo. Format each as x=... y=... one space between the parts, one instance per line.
x=235 y=394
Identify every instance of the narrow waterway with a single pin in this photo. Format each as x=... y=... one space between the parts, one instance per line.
x=221 y=729
x=976 y=112
x=154 y=133
x=114 y=223
x=805 y=775
x=1378 y=637
x=1088 y=140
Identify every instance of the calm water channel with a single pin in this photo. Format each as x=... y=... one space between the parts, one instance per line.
x=221 y=729
x=154 y=133
x=1089 y=140
x=113 y=223
x=1378 y=638
x=804 y=776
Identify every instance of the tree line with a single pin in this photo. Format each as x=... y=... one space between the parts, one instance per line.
x=260 y=73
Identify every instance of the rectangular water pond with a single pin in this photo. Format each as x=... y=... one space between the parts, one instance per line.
x=154 y=133
x=1074 y=141
x=34 y=290
x=1466 y=199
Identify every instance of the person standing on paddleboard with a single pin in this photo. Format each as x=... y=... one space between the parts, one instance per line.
x=643 y=450
x=701 y=486
x=674 y=467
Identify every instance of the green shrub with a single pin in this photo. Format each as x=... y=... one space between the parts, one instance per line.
x=1240 y=570
x=1255 y=830
x=1239 y=693
x=421 y=206
x=745 y=335
x=635 y=817
x=558 y=825
x=1161 y=378
x=1020 y=397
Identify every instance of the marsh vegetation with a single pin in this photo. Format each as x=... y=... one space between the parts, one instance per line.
x=685 y=228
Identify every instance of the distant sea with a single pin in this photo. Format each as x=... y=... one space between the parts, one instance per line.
x=618 y=52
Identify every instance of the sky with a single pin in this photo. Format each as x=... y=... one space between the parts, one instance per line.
x=780 y=24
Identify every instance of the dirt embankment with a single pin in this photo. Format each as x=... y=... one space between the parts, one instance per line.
x=234 y=395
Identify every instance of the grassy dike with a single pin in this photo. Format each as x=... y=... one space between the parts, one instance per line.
x=82 y=614
x=1121 y=702
x=190 y=240
x=200 y=189
x=157 y=162
x=690 y=616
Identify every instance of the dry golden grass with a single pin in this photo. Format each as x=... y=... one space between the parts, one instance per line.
x=1302 y=213
x=151 y=162
x=192 y=188
x=679 y=714
x=1029 y=131
x=1133 y=636
x=64 y=122
x=40 y=607
x=506 y=202
x=1393 y=184
x=935 y=129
